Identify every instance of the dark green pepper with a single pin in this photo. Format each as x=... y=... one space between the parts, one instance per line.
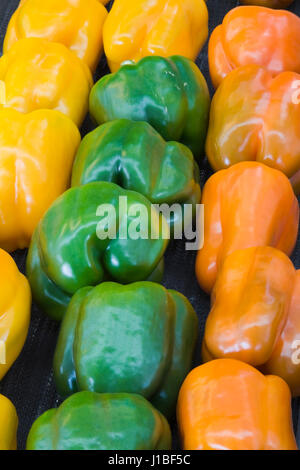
x=170 y=94
x=134 y=156
x=138 y=338
x=92 y=421
x=70 y=250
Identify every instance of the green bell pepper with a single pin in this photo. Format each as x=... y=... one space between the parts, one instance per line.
x=92 y=421
x=133 y=155
x=138 y=338
x=170 y=94
x=70 y=250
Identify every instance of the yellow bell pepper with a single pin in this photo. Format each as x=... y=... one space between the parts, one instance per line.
x=138 y=28
x=15 y=304
x=36 y=157
x=77 y=24
x=8 y=424
x=38 y=74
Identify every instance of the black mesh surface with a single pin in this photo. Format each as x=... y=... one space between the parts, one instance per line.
x=29 y=383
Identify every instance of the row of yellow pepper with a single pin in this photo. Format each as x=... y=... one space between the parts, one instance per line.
x=249 y=195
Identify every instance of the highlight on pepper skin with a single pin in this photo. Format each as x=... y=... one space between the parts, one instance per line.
x=238 y=41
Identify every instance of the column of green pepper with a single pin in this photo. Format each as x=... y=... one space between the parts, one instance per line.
x=118 y=340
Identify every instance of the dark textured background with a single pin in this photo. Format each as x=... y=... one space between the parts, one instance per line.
x=29 y=383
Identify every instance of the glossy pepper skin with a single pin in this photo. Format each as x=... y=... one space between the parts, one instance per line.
x=151 y=354
x=141 y=28
x=77 y=24
x=93 y=421
x=170 y=94
x=9 y=424
x=258 y=36
x=76 y=245
x=268 y=3
x=134 y=156
x=255 y=313
x=228 y=405
x=255 y=117
x=36 y=74
x=247 y=205
x=15 y=305
x=36 y=156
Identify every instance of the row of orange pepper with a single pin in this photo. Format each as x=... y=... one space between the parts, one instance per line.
x=252 y=214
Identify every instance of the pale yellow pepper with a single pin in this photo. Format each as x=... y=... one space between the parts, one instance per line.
x=36 y=157
x=77 y=24
x=39 y=74
x=15 y=305
x=137 y=28
x=8 y=424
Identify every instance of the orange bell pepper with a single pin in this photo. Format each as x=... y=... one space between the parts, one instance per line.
x=246 y=205
x=256 y=117
x=77 y=24
x=255 y=314
x=138 y=28
x=15 y=305
x=39 y=74
x=36 y=157
x=8 y=424
x=255 y=35
x=228 y=405
x=268 y=3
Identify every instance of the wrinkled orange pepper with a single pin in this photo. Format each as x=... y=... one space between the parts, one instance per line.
x=8 y=424
x=15 y=305
x=228 y=405
x=255 y=314
x=36 y=156
x=39 y=74
x=137 y=28
x=256 y=117
x=255 y=35
x=77 y=24
x=246 y=205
